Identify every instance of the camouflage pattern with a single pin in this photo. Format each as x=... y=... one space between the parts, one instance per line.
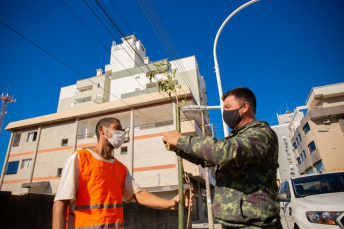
x=247 y=161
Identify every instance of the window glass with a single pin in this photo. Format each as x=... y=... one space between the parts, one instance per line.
x=311 y=146
x=124 y=150
x=31 y=137
x=298 y=160
x=26 y=163
x=304 y=154
x=310 y=171
x=59 y=172
x=16 y=139
x=295 y=146
x=12 y=167
x=319 y=167
x=301 y=157
x=318 y=184
x=300 y=138
x=64 y=142
x=306 y=128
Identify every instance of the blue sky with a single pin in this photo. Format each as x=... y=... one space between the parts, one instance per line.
x=280 y=49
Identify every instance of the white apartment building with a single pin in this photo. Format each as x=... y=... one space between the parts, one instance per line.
x=39 y=146
x=286 y=159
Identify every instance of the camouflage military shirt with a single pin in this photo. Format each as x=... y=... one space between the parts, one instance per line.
x=246 y=189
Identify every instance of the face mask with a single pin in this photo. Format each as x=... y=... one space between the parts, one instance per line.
x=117 y=138
x=231 y=117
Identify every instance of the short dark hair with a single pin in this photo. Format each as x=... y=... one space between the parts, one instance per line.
x=105 y=122
x=244 y=94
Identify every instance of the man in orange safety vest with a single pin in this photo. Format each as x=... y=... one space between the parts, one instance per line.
x=93 y=184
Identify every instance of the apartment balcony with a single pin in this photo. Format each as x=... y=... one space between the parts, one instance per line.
x=305 y=164
x=138 y=93
x=315 y=156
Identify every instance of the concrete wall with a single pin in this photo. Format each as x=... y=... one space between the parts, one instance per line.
x=35 y=211
x=51 y=155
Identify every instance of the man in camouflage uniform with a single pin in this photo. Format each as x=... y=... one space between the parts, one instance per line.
x=246 y=189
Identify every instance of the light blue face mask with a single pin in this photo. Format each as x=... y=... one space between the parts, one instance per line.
x=117 y=138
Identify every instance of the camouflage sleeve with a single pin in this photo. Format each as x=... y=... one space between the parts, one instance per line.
x=240 y=151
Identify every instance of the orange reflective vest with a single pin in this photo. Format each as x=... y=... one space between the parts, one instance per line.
x=99 y=199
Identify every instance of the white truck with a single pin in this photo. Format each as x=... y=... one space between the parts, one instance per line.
x=313 y=201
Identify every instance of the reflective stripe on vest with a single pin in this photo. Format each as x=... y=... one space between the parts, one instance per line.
x=98 y=206
x=99 y=199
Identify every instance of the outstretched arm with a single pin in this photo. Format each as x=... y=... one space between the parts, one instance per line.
x=152 y=201
x=59 y=214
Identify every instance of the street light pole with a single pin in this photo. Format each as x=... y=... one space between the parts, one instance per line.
x=207 y=184
x=217 y=70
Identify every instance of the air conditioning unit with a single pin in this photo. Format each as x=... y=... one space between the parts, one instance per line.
x=326 y=121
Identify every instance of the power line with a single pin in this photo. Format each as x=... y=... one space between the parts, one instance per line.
x=170 y=48
x=67 y=65
x=121 y=32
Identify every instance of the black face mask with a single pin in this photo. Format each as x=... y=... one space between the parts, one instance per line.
x=232 y=117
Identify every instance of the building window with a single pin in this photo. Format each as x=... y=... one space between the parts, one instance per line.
x=99 y=85
x=31 y=137
x=306 y=128
x=26 y=163
x=291 y=167
x=300 y=138
x=137 y=88
x=319 y=167
x=292 y=173
x=295 y=146
x=126 y=134
x=12 y=167
x=16 y=139
x=299 y=160
x=301 y=157
x=297 y=140
x=310 y=171
x=137 y=77
x=64 y=142
x=312 y=147
x=304 y=154
x=124 y=150
x=286 y=145
x=59 y=172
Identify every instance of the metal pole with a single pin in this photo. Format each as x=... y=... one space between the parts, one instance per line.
x=180 y=178
x=207 y=185
x=217 y=70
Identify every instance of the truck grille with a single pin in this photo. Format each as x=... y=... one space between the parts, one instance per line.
x=340 y=220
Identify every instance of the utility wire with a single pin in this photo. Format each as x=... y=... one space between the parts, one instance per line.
x=68 y=66
x=170 y=48
x=125 y=50
x=119 y=30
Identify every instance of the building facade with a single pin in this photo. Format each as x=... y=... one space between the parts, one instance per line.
x=317 y=137
x=286 y=160
x=40 y=146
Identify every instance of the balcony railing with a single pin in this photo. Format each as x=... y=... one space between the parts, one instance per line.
x=159 y=124
x=85 y=136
